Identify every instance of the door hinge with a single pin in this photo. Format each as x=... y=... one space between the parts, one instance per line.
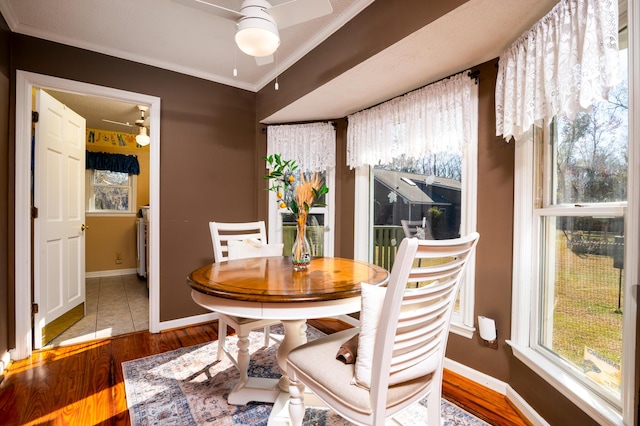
x=34 y=212
x=35 y=116
x=34 y=308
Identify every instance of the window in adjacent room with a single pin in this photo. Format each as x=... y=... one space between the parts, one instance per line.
x=110 y=192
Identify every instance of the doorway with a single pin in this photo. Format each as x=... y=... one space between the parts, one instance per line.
x=25 y=84
x=116 y=299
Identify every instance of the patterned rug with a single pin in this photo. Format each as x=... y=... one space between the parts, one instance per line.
x=188 y=386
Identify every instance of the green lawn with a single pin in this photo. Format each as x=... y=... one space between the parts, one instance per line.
x=586 y=310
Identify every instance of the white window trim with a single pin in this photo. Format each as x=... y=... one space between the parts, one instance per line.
x=525 y=274
x=462 y=323
x=589 y=402
x=275 y=215
x=90 y=194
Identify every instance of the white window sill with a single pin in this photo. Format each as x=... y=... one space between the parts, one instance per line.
x=460 y=329
x=110 y=214
x=589 y=402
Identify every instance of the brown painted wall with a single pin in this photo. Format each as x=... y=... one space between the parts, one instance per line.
x=207 y=164
x=495 y=225
x=6 y=290
x=345 y=195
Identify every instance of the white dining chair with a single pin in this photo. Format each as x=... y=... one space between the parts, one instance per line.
x=400 y=345
x=247 y=236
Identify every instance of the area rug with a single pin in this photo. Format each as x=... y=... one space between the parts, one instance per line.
x=187 y=386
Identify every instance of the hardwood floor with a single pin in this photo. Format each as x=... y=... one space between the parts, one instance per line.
x=83 y=384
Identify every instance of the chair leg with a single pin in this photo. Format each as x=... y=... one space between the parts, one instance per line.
x=434 y=417
x=222 y=337
x=296 y=401
x=267 y=332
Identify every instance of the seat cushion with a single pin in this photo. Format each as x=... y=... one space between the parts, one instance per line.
x=316 y=366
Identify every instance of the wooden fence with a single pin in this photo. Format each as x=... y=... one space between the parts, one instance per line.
x=386 y=240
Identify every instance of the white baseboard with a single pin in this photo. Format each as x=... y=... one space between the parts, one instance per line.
x=498 y=386
x=476 y=376
x=525 y=408
x=111 y=273
x=4 y=362
x=188 y=321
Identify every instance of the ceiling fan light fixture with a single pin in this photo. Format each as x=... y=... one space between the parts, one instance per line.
x=257 y=36
x=143 y=138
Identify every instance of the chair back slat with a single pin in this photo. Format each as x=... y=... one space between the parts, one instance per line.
x=419 y=300
x=223 y=232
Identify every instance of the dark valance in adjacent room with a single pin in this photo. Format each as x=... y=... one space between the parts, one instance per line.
x=113 y=162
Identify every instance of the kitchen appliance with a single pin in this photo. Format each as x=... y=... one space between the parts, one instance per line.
x=142 y=239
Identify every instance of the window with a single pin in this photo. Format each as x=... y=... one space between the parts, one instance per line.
x=110 y=192
x=427 y=191
x=313 y=148
x=436 y=183
x=282 y=225
x=420 y=197
x=572 y=178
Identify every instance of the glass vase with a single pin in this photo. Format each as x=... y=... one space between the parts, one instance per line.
x=301 y=250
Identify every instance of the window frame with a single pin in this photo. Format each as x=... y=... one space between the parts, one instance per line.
x=528 y=213
x=523 y=268
x=463 y=321
x=274 y=230
x=90 y=198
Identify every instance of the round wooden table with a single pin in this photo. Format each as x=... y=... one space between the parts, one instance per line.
x=269 y=288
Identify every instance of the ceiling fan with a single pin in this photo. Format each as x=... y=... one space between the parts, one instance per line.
x=142 y=138
x=258 y=21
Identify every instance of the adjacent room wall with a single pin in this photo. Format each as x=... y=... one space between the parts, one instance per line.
x=111 y=242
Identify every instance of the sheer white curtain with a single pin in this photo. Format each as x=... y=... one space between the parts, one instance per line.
x=435 y=118
x=560 y=66
x=312 y=146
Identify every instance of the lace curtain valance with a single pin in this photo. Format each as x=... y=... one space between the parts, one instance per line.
x=435 y=118
x=113 y=162
x=312 y=146
x=564 y=63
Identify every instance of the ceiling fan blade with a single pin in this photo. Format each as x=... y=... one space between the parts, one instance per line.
x=264 y=60
x=299 y=11
x=117 y=122
x=214 y=9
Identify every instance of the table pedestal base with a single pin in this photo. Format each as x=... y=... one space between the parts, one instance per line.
x=280 y=412
x=255 y=389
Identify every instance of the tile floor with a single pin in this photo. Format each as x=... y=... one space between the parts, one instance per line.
x=114 y=305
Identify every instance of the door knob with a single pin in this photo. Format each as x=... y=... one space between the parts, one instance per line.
x=83 y=227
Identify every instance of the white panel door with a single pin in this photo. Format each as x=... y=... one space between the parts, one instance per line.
x=59 y=181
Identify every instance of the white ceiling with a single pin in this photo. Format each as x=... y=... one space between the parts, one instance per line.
x=167 y=34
